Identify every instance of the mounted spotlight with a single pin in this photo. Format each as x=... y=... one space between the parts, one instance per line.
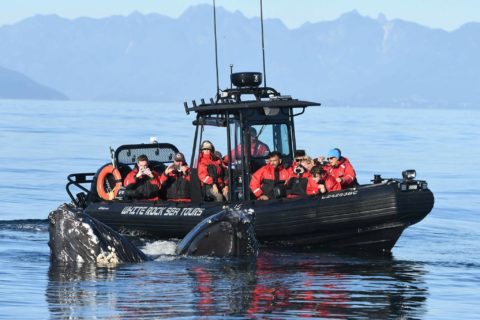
x=409 y=174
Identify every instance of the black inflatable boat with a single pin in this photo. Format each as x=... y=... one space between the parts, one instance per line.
x=368 y=217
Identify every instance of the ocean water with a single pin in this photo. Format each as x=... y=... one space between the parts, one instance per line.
x=432 y=273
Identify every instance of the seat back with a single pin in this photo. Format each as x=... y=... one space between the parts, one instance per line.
x=156 y=153
x=159 y=167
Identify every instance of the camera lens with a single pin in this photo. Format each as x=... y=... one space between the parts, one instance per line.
x=298 y=170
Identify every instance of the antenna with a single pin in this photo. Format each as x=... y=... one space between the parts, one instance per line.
x=263 y=46
x=215 y=34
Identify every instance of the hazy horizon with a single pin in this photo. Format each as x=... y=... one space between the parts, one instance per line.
x=447 y=15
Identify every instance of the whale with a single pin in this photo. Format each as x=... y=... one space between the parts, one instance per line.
x=229 y=233
x=75 y=237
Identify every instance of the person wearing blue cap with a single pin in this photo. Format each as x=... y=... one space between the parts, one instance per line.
x=340 y=169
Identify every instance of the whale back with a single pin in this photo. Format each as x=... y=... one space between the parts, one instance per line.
x=228 y=233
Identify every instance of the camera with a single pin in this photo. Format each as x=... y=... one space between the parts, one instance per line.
x=177 y=170
x=299 y=170
x=318 y=163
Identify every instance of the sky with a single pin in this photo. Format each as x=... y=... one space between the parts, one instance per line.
x=444 y=14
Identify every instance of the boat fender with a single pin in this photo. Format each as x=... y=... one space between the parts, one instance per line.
x=102 y=179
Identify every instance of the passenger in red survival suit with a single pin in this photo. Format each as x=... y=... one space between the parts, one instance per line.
x=268 y=182
x=210 y=172
x=176 y=180
x=301 y=182
x=142 y=182
x=340 y=169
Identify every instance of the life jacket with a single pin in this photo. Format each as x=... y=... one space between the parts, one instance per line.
x=177 y=185
x=269 y=181
x=179 y=189
x=257 y=149
x=210 y=170
x=297 y=186
x=301 y=185
x=342 y=170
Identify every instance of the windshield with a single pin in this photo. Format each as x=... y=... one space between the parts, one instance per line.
x=274 y=136
x=263 y=140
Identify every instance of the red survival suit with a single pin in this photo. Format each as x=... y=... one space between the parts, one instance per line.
x=300 y=185
x=343 y=170
x=143 y=187
x=210 y=170
x=264 y=181
x=257 y=149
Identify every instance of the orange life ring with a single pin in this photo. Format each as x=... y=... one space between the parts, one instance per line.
x=101 y=180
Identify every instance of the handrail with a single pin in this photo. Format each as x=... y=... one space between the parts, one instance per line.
x=77 y=179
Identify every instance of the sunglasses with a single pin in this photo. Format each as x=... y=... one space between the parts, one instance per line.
x=206 y=149
x=299 y=159
x=330 y=158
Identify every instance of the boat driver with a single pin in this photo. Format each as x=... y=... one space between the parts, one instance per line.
x=268 y=182
x=142 y=182
x=257 y=147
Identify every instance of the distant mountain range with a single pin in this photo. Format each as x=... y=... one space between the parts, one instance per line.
x=353 y=60
x=14 y=85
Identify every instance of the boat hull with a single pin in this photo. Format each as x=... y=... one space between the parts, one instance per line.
x=367 y=218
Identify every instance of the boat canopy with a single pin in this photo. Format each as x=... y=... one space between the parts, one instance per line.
x=231 y=100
